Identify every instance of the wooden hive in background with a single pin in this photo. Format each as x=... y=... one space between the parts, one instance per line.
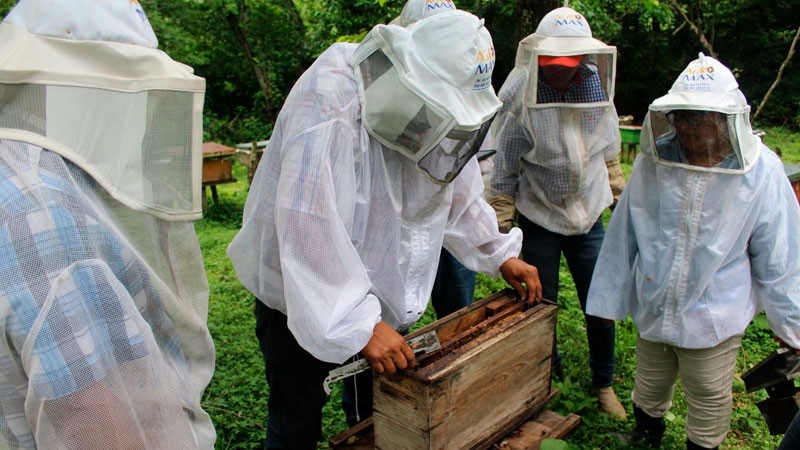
x=492 y=373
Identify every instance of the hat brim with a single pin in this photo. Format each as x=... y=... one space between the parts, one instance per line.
x=566 y=61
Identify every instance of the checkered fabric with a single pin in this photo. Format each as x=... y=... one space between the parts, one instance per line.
x=76 y=301
x=551 y=159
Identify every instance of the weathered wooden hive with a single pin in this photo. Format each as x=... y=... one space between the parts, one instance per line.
x=491 y=374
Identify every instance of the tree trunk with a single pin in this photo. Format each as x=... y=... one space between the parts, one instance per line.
x=780 y=73
x=235 y=23
x=529 y=13
x=695 y=27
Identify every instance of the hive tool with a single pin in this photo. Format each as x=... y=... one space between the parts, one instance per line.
x=426 y=342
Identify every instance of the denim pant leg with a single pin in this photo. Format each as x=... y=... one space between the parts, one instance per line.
x=581 y=254
x=791 y=440
x=454 y=286
x=295 y=381
x=542 y=248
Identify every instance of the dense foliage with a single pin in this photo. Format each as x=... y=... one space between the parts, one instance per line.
x=252 y=51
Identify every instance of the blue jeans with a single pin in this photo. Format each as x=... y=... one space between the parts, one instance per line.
x=295 y=381
x=791 y=440
x=543 y=248
x=454 y=286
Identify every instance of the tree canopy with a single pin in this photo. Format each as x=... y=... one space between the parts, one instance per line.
x=252 y=51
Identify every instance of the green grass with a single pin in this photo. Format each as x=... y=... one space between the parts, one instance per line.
x=237 y=396
x=784 y=142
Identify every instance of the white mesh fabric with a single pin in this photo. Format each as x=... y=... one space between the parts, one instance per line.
x=552 y=159
x=446 y=161
x=22 y=107
x=102 y=315
x=597 y=71
x=340 y=232
x=699 y=140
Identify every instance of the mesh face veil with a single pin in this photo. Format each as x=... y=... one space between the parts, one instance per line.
x=431 y=104
x=702 y=123
x=127 y=114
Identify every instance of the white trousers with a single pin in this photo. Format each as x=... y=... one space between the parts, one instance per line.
x=707 y=379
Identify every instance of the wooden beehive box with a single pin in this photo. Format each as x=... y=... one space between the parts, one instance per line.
x=492 y=373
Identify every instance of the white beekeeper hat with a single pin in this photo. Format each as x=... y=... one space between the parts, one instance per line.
x=706 y=85
x=415 y=10
x=83 y=78
x=446 y=59
x=432 y=80
x=121 y=21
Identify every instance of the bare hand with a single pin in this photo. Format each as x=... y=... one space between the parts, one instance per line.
x=387 y=351
x=517 y=272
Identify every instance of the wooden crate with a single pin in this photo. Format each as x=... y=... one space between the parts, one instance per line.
x=543 y=425
x=491 y=375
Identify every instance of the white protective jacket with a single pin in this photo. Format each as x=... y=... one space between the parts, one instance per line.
x=693 y=253
x=340 y=233
x=552 y=149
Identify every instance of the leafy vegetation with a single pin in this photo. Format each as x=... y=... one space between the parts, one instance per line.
x=251 y=51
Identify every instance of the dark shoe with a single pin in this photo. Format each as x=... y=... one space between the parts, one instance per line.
x=647 y=433
x=692 y=446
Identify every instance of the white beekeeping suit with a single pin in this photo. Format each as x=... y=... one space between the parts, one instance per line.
x=702 y=240
x=553 y=146
x=369 y=171
x=103 y=295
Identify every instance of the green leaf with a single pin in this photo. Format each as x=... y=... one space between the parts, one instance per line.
x=669 y=416
x=553 y=444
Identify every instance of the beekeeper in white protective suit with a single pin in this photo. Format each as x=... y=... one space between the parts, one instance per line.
x=103 y=296
x=370 y=169
x=703 y=238
x=555 y=134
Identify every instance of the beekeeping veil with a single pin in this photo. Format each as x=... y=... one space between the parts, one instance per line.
x=568 y=98
x=426 y=90
x=415 y=10
x=84 y=79
x=703 y=122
